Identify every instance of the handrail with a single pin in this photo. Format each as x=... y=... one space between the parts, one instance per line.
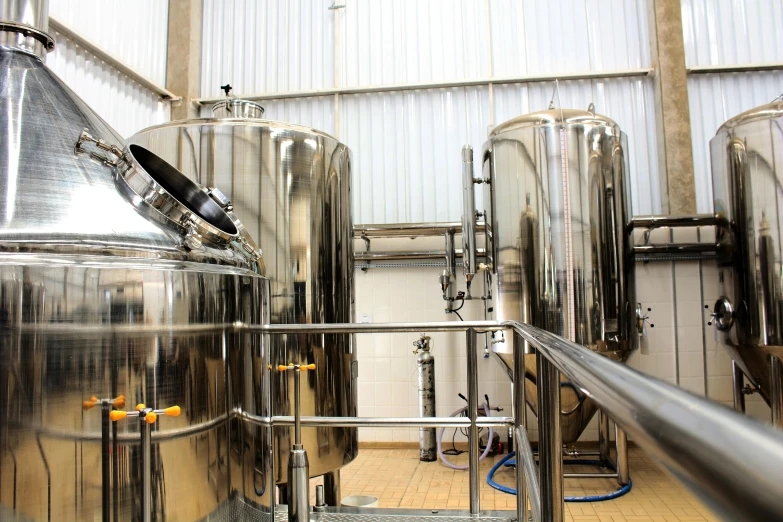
x=729 y=461
x=732 y=463
x=526 y=464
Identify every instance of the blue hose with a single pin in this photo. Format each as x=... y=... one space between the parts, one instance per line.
x=593 y=498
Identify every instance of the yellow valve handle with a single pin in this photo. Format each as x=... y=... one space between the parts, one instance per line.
x=116 y=415
x=119 y=402
x=302 y=367
x=90 y=403
x=151 y=417
x=140 y=407
x=172 y=411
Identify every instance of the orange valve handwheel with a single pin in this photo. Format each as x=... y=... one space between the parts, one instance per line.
x=89 y=404
x=307 y=367
x=140 y=407
x=172 y=411
x=282 y=367
x=151 y=417
x=119 y=402
x=116 y=415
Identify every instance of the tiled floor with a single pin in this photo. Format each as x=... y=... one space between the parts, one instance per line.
x=398 y=479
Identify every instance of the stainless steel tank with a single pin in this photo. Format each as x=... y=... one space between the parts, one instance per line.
x=557 y=208
x=119 y=280
x=746 y=153
x=291 y=187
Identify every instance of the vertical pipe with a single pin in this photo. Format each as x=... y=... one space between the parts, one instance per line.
x=737 y=378
x=146 y=471
x=105 y=471
x=297 y=414
x=621 y=441
x=603 y=436
x=776 y=390
x=550 y=451
x=518 y=399
x=468 y=217
x=473 y=436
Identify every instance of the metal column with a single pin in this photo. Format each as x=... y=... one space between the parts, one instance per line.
x=473 y=435
x=737 y=383
x=518 y=399
x=550 y=439
x=105 y=463
x=776 y=390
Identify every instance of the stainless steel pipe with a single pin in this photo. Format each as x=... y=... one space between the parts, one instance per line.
x=550 y=451
x=527 y=464
x=473 y=434
x=410 y=230
x=391 y=422
x=411 y=255
x=520 y=407
x=468 y=216
x=696 y=220
x=674 y=248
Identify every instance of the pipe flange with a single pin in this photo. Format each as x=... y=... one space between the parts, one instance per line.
x=29 y=32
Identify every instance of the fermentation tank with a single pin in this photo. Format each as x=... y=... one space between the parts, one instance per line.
x=557 y=208
x=746 y=154
x=120 y=280
x=290 y=185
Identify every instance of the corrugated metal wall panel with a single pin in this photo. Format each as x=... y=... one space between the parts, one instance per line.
x=123 y=103
x=412 y=41
x=406 y=147
x=627 y=101
x=719 y=32
x=714 y=98
x=568 y=36
x=249 y=45
x=135 y=32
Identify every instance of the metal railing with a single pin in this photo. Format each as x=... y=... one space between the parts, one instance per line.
x=730 y=462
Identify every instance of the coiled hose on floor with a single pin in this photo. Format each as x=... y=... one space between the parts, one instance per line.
x=590 y=498
x=487 y=413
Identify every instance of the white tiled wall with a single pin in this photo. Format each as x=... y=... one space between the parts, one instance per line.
x=680 y=348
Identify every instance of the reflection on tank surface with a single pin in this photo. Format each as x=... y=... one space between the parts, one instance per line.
x=557 y=241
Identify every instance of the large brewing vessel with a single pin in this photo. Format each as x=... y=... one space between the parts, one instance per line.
x=557 y=208
x=120 y=281
x=290 y=186
x=746 y=153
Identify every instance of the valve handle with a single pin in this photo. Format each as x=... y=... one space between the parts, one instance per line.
x=118 y=402
x=90 y=403
x=302 y=367
x=116 y=415
x=172 y=411
x=149 y=415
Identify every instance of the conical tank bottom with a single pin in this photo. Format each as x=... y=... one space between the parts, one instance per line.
x=756 y=361
x=576 y=409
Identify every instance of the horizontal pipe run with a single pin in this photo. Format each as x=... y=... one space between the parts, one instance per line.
x=589 y=475
x=410 y=230
x=396 y=422
x=674 y=248
x=747 y=67
x=696 y=220
x=441 y=326
x=408 y=255
x=585 y=75
x=111 y=60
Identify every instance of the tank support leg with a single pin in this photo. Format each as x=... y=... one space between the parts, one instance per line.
x=332 y=488
x=603 y=436
x=621 y=441
x=776 y=390
x=737 y=383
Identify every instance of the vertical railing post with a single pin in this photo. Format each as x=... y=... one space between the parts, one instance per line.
x=520 y=422
x=473 y=435
x=603 y=436
x=550 y=441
